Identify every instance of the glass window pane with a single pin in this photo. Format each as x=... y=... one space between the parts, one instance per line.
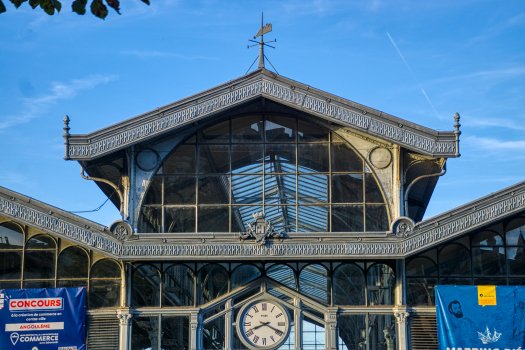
x=154 y=192
x=11 y=236
x=180 y=219
x=247 y=129
x=516 y=232
x=420 y=291
x=10 y=285
x=39 y=284
x=214 y=159
x=516 y=260
x=244 y=274
x=145 y=333
x=373 y=192
x=314 y=282
x=41 y=242
x=105 y=268
x=313 y=218
x=313 y=335
x=175 y=333
x=145 y=289
x=247 y=158
x=453 y=281
x=380 y=285
x=349 y=285
x=10 y=265
x=39 y=264
x=179 y=190
x=214 y=189
x=282 y=217
x=216 y=133
x=214 y=335
x=345 y=159
x=313 y=157
x=214 y=219
x=72 y=283
x=347 y=218
x=178 y=286
x=279 y=189
x=310 y=132
x=73 y=263
x=247 y=189
x=487 y=238
x=488 y=260
x=352 y=332
x=279 y=158
x=104 y=293
x=213 y=282
x=492 y=281
x=150 y=219
x=454 y=259
x=280 y=129
x=347 y=188
x=284 y=274
x=242 y=216
x=382 y=331
x=421 y=267
x=376 y=218
x=313 y=189
x=182 y=161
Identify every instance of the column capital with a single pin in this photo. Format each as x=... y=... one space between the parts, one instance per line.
x=124 y=315
x=401 y=313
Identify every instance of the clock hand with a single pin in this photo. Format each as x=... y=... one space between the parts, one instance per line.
x=275 y=329
x=259 y=326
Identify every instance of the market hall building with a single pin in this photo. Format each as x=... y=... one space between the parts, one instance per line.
x=264 y=194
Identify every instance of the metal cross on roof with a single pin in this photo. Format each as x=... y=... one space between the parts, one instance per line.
x=264 y=29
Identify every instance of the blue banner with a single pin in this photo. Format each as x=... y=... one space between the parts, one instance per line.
x=480 y=317
x=42 y=319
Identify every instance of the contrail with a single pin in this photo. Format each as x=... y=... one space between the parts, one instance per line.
x=410 y=69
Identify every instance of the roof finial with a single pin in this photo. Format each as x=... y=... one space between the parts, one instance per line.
x=457 y=133
x=264 y=29
x=66 y=136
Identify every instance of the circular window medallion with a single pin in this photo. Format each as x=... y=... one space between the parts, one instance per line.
x=147 y=159
x=380 y=157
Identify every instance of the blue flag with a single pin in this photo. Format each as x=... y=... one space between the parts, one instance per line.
x=480 y=317
x=42 y=319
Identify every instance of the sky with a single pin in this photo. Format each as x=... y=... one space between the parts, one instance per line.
x=422 y=61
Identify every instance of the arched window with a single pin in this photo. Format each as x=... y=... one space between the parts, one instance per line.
x=73 y=266
x=421 y=267
x=244 y=274
x=11 y=245
x=314 y=282
x=178 y=286
x=39 y=262
x=381 y=285
x=104 y=284
x=349 y=285
x=515 y=237
x=454 y=260
x=145 y=284
x=283 y=274
x=421 y=277
x=488 y=254
x=213 y=282
x=304 y=177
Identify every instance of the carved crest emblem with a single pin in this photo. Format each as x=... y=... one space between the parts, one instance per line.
x=260 y=229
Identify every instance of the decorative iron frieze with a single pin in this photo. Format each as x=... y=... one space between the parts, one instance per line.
x=260 y=229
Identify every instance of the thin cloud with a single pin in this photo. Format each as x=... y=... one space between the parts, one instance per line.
x=37 y=106
x=413 y=75
x=149 y=54
x=494 y=31
x=491 y=144
x=495 y=74
x=491 y=122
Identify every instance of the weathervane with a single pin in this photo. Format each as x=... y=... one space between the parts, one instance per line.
x=264 y=29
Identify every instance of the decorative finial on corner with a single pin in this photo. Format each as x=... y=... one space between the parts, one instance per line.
x=66 y=136
x=457 y=132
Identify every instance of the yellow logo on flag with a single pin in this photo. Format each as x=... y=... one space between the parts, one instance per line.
x=486 y=295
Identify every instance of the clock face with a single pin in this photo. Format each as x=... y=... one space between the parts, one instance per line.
x=263 y=324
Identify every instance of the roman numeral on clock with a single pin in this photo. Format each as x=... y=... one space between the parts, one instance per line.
x=271 y=337
x=279 y=315
x=279 y=333
x=281 y=324
x=264 y=306
x=255 y=309
x=249 y=333
x=247 y=324
x=264 y=341
x=255 y=339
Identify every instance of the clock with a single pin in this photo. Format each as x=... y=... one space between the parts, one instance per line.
x=263 y=324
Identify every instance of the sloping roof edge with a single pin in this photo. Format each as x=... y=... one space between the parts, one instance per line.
x=261 y=83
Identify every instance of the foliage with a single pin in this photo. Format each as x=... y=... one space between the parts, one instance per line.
x=79 y=6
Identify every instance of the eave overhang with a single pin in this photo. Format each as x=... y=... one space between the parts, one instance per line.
x=215 y=246
x=265 y=84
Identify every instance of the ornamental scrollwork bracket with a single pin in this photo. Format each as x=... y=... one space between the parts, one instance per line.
x=260 y=229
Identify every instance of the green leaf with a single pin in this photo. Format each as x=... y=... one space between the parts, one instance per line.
x=99 y=9
x=114 y=4
x=34 y=3
x=79 y=6
x=48 y=7
x=18 y=2
x=145 y=1
x=2 y=7
x=58 y=5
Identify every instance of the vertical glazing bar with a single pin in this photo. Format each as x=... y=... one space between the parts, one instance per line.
x=298 y=329
x=228 y=326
